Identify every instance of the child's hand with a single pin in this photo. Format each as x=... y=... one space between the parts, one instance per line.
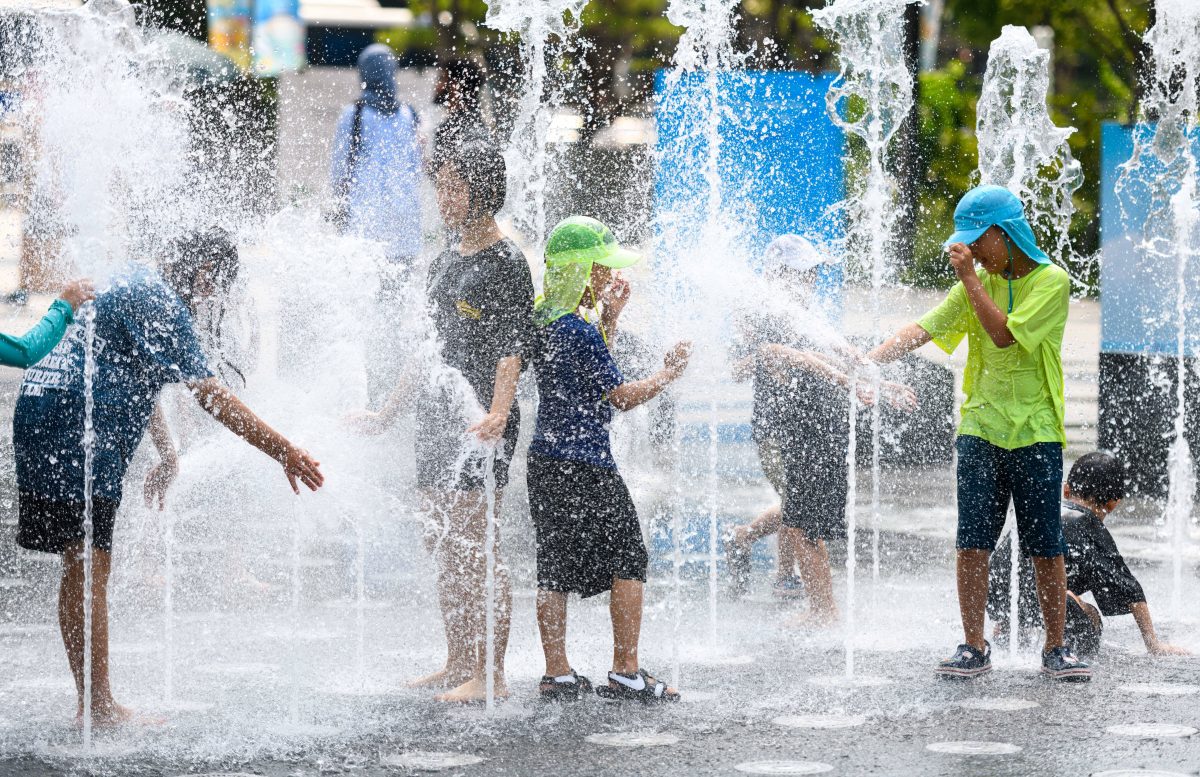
x=1163 y=649
x=961 y=259
x=158 y=481
x=614 y=296
x=491 y=428
x=78 y=292
x=365 y=422
x=865 y=393
x=299 y=465
x=676 y=360
x=900 y=396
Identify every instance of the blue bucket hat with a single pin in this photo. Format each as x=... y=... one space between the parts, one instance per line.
x=994 y=206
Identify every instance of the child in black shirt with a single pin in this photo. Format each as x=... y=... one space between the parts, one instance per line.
x=1095 y=487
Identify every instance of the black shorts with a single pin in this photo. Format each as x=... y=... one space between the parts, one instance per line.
x=445 y=461
x=50 y=526
x=811 y=478
x=1081 y=633
x=989 y=477
x=586 y=527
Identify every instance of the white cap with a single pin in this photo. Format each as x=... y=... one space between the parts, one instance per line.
x=795 y=253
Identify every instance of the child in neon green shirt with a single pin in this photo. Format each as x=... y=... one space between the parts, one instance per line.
x=1010 y=439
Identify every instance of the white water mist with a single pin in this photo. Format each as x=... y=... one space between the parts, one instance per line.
x=1020 y=146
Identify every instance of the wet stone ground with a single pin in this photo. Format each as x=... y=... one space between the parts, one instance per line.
x=282 y=700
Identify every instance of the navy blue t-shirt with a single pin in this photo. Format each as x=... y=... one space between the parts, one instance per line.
x=144 y=340
x=575 y=373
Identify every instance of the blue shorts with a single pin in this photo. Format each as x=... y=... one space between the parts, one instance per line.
x=989 y=476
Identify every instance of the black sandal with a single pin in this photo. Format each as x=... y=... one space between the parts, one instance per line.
x=555 y=689
x=652 y=691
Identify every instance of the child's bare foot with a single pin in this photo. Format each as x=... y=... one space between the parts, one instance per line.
x=473 y=691
x=112 y=715
x=443 y=678
x=814 y=619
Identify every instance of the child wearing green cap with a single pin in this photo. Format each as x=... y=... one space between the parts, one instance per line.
x=1013 y=313
x=589 y=539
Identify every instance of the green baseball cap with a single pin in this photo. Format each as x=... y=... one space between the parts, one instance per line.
x=575 y=245
x=587 y=241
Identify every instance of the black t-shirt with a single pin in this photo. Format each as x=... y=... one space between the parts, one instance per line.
x=799 y=404
x=1093 y=564
x=482 y=307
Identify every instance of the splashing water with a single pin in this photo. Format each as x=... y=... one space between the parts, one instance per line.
x=528 y=161
x=1164 y=158
x=1020 y=147
x=870 y=100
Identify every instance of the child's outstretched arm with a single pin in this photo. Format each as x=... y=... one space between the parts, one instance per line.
x=32 y=347
x=371 y=422
x=1141 y=614
x=629 y=395
x=219 y=402
x=162 y=474
x=904 y=342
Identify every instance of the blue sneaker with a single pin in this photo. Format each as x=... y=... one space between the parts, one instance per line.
x=967 y=662
x=1061 y=664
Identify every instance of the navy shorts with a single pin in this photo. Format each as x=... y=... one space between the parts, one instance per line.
x=990 y=476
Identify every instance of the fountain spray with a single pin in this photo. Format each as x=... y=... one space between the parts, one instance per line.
x=1022 y=149
x=1164 y=159
x=1020 y=146
x=89 y=460
x=526 y=156
x=706 y=47
x=870 y=100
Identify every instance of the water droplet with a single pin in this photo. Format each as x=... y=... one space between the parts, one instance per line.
x=998 y=704
x=819 y=721
x=1161 y=689
x=1151 y=730
x=633 y=739
x=423 y=761
x=973 y=747
x=783 y=767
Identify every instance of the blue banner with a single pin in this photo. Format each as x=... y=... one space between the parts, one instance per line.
x=1139 y=287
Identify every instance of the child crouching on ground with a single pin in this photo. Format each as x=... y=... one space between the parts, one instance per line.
x=1093 y=491
x=588 y=536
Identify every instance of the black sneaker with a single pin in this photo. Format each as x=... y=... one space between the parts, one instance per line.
x=1061 y=664
x=572 y=687
x=967 y=662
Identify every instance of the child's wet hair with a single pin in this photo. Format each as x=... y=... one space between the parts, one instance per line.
x=1098 y=477
x=481 y=166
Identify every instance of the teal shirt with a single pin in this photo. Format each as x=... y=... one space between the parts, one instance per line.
x=30 y=348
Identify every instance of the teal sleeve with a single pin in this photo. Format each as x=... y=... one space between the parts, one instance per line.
x=30 y=348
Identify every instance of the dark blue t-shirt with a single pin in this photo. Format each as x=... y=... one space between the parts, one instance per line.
x=144 y=340
x=575 y=373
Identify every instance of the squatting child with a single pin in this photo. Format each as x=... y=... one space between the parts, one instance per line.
x=1094 y=489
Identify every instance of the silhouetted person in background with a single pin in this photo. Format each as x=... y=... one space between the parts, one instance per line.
x=376 y=170
x=459 y=91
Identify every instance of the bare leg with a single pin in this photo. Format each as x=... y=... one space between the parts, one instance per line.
x=105 y=710
x=444 y=544
x=1051 y=575
x=552 y=625
x=788 y=556
x=766 y=524
x=813 y=559
x=972 y=574
x=469 y=523
x=625 y=609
